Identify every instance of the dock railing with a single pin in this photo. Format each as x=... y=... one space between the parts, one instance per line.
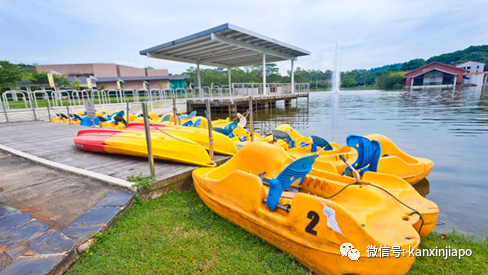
x=23 y=105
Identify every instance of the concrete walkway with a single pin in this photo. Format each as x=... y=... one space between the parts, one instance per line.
x=47 y=217
x=55 y=142
x=55 y=197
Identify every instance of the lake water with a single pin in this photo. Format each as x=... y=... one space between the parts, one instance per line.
x=450 y=128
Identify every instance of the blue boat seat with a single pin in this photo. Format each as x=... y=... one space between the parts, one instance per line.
x=86 y=121
x=320 y=142
x=188 y=123
x=369 y=153
x=228 y=130
x=167 y=117
x=197 y=123
x=278 y=134
x=77 y=117
x=297 y=170
x=190 y=116
x=119 y=113
x=220 y=130
x=118 y=119
x=61 y=115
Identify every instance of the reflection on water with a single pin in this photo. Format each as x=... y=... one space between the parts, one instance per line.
x=423 y=187
x=449 y=127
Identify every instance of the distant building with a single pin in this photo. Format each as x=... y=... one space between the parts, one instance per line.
x=434 y=74
x=108 y=75
x=474 y=73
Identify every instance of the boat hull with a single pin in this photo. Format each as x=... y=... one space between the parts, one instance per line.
x=134 y=143
x=362 y=215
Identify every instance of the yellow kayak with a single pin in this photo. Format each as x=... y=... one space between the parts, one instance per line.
x=134 y=143
x=222 y=145
x=392 y=161
x=316 y=222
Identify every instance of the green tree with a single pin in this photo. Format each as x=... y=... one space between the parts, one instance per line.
x=9 y=74
x=348 y=82
x=389 y=80
x=413 y=64
x=41 y=78
x=76 y=84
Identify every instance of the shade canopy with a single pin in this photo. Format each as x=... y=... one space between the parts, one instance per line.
x=225 y=46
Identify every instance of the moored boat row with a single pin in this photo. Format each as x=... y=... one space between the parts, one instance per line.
x=325 y=204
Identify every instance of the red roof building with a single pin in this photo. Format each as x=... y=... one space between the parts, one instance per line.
x=434 y=74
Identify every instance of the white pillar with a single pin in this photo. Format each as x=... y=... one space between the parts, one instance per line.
x=454 y=83
x=264 y=74
x=199 y=82
x=411 y=84
x=292 y=77
x=230 y=81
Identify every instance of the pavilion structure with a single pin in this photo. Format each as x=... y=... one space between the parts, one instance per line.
x=227 y=46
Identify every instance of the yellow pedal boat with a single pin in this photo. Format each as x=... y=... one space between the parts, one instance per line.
x=393 y=160
x=313 y=222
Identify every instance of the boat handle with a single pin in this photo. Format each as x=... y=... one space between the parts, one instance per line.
x=280 y=206
x=350 y=167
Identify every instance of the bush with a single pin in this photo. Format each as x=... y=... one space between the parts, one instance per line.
x=389 y=80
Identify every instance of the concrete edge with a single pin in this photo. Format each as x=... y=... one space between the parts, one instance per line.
x=73 y=170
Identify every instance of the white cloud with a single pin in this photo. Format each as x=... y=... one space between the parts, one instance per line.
x=372 y=33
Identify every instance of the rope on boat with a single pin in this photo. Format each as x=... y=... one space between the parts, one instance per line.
x=186 y=141
x=191 y=142
x=381 y=188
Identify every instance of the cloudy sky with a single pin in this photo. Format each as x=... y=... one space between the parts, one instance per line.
x=371 y=33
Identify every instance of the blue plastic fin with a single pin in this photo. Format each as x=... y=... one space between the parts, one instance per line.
x=297 y=170
x=320 y=142
x=77 y=117
x=278 y=134
x=229 y=128
x=166 y=117
x=220 y=130
x=192 y=114
x=119 y=113
x=197 y=123
x=188 y=123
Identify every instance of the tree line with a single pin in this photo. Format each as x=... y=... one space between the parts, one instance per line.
x=385 y=77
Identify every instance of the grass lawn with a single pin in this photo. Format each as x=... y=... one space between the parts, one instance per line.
x=178 y=234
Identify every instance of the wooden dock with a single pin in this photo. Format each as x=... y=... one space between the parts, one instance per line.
x=231 y=105
x=54 y=142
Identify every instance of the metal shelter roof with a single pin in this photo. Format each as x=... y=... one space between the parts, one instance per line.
x=225 y=46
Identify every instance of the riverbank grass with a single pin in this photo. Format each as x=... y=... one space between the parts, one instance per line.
x=178 y=234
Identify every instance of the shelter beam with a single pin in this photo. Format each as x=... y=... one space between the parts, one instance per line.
x=241 y=44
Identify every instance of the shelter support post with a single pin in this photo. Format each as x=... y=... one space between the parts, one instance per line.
x=264 y=75
x=210 y=134
x=67 y=111
x=128 y=112
x=411 y=84
x=454 y=83
x=230 y=82
x=251 y=126
x=148 y=140
x=292 y=77
x=175 y=118
x=199 y=82
x=48 y=106
x=5 y=111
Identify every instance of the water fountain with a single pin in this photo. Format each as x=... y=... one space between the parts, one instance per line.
x=336 y=74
